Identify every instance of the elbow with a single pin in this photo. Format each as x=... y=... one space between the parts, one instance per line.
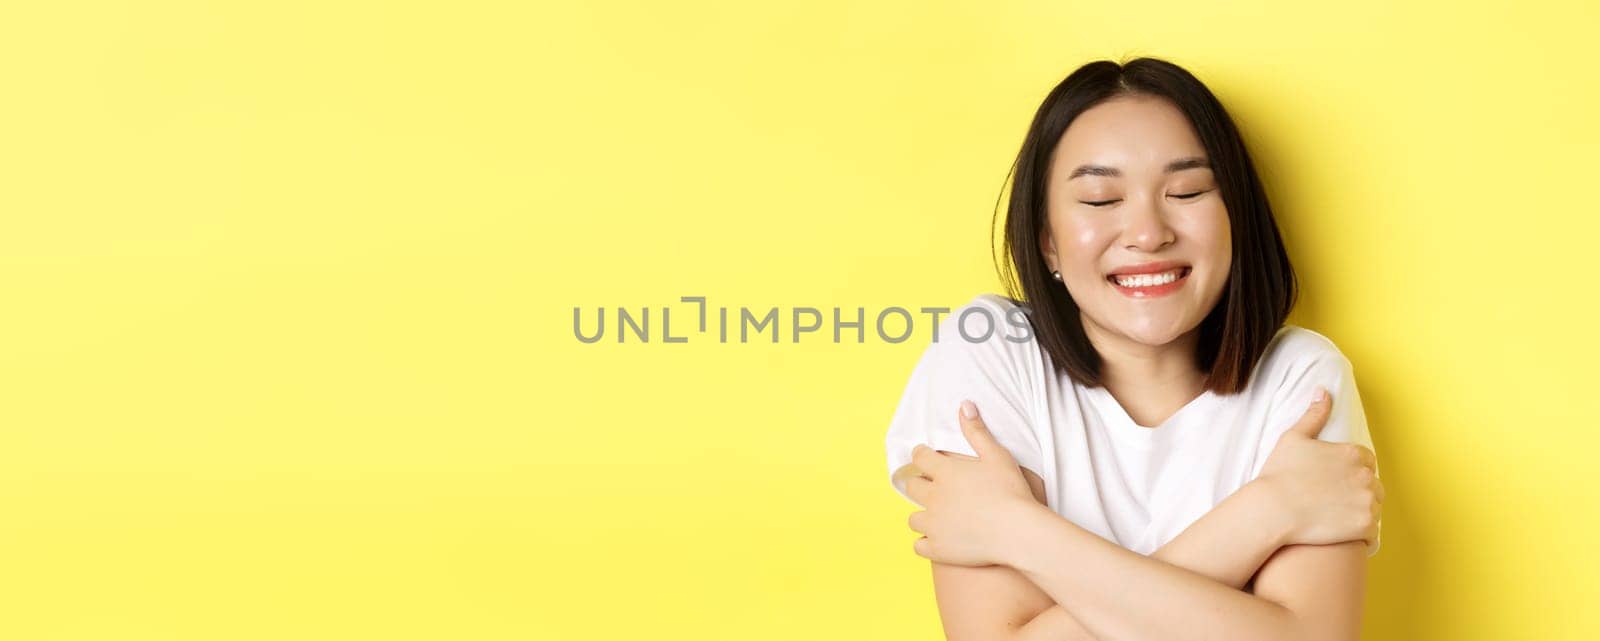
x=1006 y=633
x=1287 y=623
x=1327 y=635
x=1304 y=628
x=1000 y=629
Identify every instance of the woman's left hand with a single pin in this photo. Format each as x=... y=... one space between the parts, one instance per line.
x=972 y=506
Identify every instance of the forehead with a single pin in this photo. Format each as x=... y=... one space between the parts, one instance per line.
x=1138 y=134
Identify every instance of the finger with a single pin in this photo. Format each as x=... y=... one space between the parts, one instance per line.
x=927 y=459
x=918 y=488
x=1368 y=458
x=1316 y=416
x=915 y=520
x=1377 y=490
x=958 y=455
x=978 y=435
x=905 y=472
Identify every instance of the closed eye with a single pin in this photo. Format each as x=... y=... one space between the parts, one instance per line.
x=1102 y=203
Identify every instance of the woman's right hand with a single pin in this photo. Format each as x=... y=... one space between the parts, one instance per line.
x=1329 y=492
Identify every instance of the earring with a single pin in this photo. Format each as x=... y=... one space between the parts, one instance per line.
x=1056 y=275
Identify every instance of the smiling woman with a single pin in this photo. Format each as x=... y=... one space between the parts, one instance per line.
x=1170 y=421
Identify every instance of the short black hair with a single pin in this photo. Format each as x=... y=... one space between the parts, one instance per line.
x=1261 y=287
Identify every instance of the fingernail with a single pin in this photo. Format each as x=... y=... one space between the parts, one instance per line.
x=968 y=410
x=1322 y=395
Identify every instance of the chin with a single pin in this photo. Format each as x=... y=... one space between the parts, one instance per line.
x=1155 y=333
x=1153 y=339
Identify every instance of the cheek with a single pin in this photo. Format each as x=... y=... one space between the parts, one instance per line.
x=1084 y=240
x=1214 y=235
x=1083 y=246
x=1211 y=232
x=1222 y=236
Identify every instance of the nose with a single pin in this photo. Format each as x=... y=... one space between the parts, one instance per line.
x=1146 y=228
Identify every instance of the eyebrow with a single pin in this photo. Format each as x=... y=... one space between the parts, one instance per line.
x=1180 y=164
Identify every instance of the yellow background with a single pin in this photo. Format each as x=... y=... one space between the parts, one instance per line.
x=287 y=348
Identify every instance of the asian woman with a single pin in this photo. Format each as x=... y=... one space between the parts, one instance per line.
x=1158 y=455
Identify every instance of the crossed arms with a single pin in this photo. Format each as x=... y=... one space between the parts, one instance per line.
x=1308 y=591
x=1020 y=571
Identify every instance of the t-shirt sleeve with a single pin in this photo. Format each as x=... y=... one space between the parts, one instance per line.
x=1323 y=366
x=996 y=373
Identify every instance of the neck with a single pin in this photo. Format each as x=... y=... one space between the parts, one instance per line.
x=1128 y=365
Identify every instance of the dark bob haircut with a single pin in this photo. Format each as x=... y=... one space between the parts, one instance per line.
x=1261 y=285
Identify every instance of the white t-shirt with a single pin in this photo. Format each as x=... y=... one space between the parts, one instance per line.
x=1135 y=486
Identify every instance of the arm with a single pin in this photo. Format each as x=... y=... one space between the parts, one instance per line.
x=1227 y=545
x=996 y=602
x=1303 y=593
x=1231 y=542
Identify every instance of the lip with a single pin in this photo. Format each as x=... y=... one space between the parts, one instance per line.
x=1154 y=291
x=1147 y=268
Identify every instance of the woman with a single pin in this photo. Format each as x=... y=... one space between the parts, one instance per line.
x=1145 y=455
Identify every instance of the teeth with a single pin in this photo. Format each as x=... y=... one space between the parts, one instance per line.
x=1148 y=280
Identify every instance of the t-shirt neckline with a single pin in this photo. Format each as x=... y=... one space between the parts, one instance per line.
x=1124 y=428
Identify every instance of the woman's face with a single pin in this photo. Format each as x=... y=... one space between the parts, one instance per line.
x=1130 y=186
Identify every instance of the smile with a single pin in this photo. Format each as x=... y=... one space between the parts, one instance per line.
x=1150 y=285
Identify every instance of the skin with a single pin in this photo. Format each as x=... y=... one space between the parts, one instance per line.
x=1006 y=567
